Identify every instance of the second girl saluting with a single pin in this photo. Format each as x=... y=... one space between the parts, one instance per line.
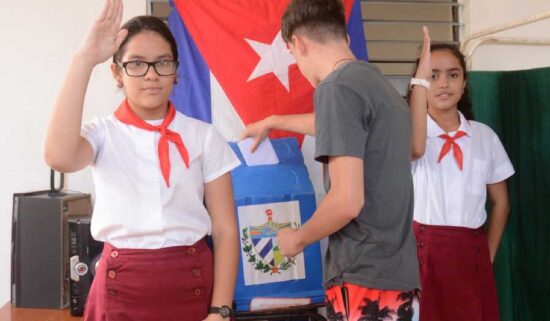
x=457 y=160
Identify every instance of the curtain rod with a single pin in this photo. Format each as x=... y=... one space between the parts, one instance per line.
x=466 y=43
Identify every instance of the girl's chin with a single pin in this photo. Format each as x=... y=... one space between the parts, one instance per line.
x=151 y=102
x=444 y=108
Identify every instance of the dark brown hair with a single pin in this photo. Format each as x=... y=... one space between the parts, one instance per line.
x=464 y=104
x=320 y=20
x=140 y=24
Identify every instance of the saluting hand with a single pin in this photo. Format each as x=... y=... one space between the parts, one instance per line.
x=424 y=69
x=104 y=36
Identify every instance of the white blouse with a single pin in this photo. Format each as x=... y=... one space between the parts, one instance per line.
x=446 y=195
x=133 y=206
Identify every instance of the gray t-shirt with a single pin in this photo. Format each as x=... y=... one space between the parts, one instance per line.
x=358 y=113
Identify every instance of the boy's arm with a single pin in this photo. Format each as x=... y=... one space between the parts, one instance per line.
x=298 y=123
x=418 y=100
x=498 y=195
x=342 y=204
x=221 y=207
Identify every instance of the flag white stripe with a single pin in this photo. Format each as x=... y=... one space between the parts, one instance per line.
x=224 y=116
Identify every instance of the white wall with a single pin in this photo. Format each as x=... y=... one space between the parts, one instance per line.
x=37 y=40
x=482 y=14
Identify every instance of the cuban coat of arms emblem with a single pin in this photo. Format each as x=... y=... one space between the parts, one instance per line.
x=260 y=254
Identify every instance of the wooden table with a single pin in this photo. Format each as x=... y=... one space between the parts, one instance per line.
x=9 y=313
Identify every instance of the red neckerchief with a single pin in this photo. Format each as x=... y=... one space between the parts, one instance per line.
x=126 y=115
x=450 y=142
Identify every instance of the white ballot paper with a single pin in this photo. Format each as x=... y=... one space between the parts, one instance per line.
x=264 y=154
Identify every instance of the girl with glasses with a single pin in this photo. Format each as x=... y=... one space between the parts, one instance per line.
x=152 y=168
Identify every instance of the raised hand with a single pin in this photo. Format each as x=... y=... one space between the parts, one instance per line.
x=419 y=100
x=104 y=36
x=424 y=69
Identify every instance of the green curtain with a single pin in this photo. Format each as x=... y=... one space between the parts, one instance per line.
x=516 y=104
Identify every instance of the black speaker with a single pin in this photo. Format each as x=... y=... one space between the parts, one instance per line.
x=40 y=246
x=84 y=254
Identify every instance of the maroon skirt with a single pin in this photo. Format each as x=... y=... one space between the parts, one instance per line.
x=172 y=283
x=456 y=274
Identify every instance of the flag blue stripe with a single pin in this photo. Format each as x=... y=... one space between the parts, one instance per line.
x=358 y=43
x=191 y=95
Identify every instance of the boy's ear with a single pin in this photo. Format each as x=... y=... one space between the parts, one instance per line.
x=299 y=45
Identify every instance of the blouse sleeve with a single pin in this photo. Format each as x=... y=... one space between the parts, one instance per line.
x=218 y=157
x=94 y=132
x=501 y=166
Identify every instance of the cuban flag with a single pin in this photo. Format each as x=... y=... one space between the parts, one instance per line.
x=235 y=68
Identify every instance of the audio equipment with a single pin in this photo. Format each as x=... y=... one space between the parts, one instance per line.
x=84 y=254
x=40 y=246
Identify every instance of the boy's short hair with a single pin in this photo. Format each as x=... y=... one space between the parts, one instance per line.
x=319 y=20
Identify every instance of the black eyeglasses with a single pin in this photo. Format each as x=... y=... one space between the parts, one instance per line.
x=138 y=68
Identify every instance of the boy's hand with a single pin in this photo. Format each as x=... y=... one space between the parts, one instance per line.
x=258 y=130
x=290 y=242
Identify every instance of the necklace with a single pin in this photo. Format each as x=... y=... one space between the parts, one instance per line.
x=340 y=61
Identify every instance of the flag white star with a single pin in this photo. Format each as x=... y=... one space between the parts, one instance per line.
x=274 y=58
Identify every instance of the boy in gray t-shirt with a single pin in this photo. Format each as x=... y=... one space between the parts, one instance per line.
x=363 y=130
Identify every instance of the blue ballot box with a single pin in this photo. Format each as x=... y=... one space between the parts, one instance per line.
x=269 y=198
